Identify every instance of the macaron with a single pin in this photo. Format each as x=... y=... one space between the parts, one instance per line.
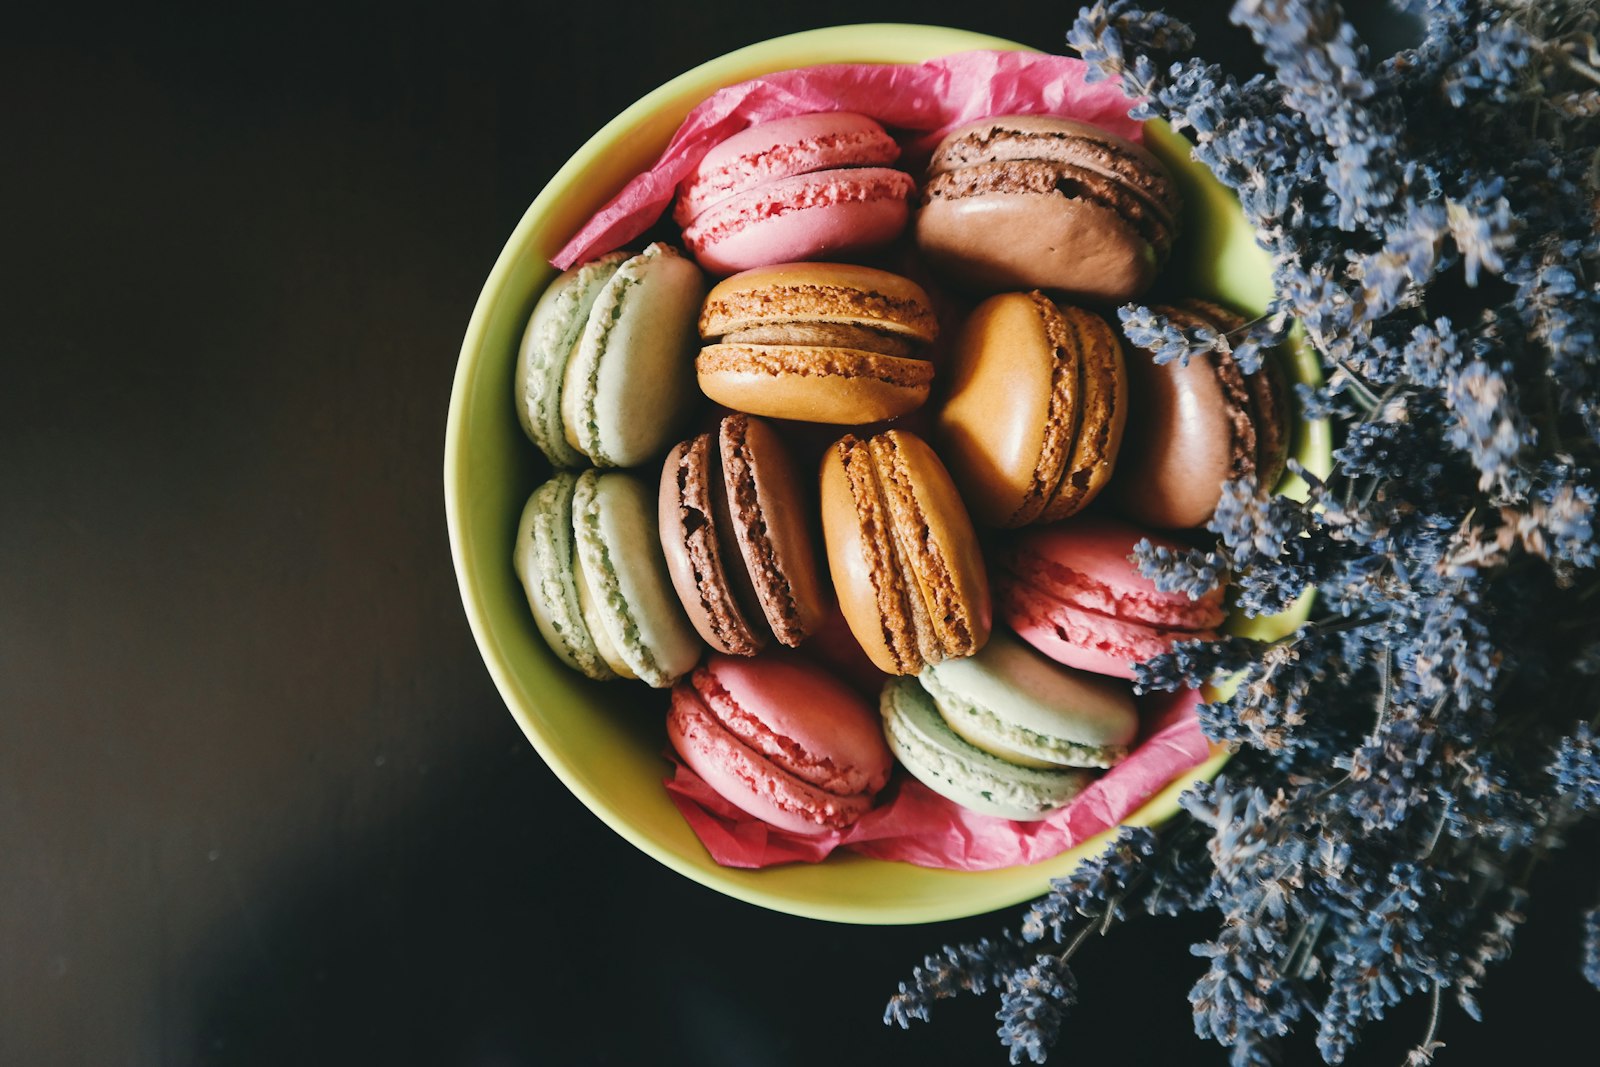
x=940 y=759
x=903 y=555
x=590 y=562
x=1072 y=591
x=1039 y=202
x=605 y=372
x=812 y=186
x=1012 y=702
x=817 y=342
x=737 y=532
x=1034 y=414
x=1200 y=424
x=781 y=740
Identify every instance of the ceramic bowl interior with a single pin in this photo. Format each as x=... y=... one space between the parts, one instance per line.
x=604 y=741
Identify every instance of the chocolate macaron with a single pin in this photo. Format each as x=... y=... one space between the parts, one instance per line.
x=1034 y=416
x=902 y=551
x=1039 y=202
x=1200 y=424
x=737 y=532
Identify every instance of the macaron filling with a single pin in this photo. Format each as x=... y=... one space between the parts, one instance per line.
x=731 y=308
x=807 y=362
x=1014 y=743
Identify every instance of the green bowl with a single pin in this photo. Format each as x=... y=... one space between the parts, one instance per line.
x=603 y=740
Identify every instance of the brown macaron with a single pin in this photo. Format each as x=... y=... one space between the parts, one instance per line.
x=902 y=551
x=736 y=530
x=1198 y=425
x=818 y=342
x=1033 y=420
x=1038 y=202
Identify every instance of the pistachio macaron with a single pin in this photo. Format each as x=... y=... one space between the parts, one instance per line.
x=590 y=561
x=1200 y=424
x=1036 y=201
x=1012 y=702
x=942 y=760
x=817 y=342
x=605 y=370
x=1034 y=414
x=902 y=551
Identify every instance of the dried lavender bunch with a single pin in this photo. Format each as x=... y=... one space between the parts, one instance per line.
x=1408 y=758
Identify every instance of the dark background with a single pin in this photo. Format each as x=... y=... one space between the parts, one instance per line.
x=259 y=802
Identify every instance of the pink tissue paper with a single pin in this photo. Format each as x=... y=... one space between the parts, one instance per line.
x=916 y=102
x=914 y=824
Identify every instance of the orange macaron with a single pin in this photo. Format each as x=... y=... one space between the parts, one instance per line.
x=904 y=557
x=1033 y=417
x=817 y=342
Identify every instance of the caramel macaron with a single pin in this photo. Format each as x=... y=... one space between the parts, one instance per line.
x=1039 y=202
x=1034 y=416
x=902 y=551
x=1199 y=424
x=737 y=532
x=817 y=342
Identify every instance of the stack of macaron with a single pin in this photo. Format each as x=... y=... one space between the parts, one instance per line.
x=818 y=447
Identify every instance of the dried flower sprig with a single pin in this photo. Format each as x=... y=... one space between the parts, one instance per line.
x=1406 y=759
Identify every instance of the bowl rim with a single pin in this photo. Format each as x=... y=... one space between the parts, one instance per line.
x=867 y=42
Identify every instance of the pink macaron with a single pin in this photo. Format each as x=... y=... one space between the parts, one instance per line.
x=780 y=739
x=1072 y=591
x=807 y=187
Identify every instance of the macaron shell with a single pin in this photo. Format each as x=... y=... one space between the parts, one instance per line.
x=825 y=215
x=1011 y=701
x=544 y=560
x=1001 y=241
x=630 y=382
x=773 y=520
x=933 y=754
x=810 y=383
x=771 y=151
x=554 y=327
x=619 y=552
x=1085 y=639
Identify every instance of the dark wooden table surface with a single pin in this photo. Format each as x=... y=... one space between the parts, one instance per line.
x=259 y=802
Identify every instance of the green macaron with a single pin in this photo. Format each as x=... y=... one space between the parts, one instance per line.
x=1018 y=705
x=557 y=322
x=629 y=384
x=596 y=580
x=938 y=758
